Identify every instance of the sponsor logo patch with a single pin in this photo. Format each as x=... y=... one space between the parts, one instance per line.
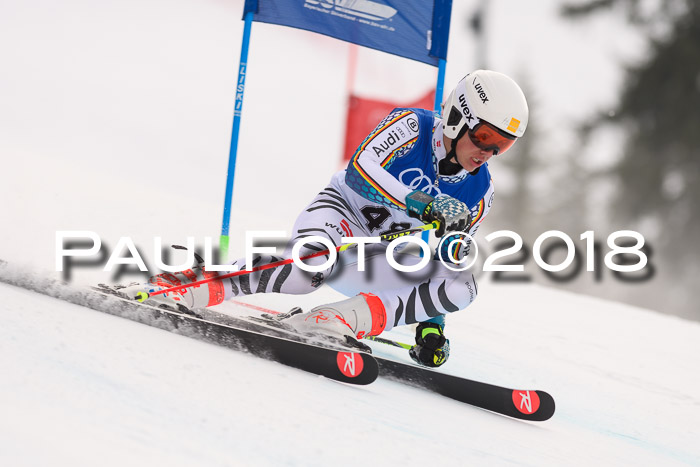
x=467 y=112
x=350 y=364
x=415 y=179
x=386 y=141
x=393 y=136
x=374 y=10
x=513 y=125
x=412 y=124
x=480 y=91
x=527 y=402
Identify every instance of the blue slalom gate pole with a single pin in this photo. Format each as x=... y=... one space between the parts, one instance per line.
x=240 y=87
x=439 y=88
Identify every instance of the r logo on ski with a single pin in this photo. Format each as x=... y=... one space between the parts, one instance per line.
x=527 y=402
x=350 y=364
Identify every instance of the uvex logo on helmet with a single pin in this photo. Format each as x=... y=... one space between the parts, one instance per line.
x=480 y=91
x=465 y=108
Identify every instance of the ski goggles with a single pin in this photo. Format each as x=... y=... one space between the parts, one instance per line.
x=490 y=138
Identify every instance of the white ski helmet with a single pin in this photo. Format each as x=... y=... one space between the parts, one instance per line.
x=489 y=97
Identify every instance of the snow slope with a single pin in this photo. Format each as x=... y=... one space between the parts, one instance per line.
x=82 y=388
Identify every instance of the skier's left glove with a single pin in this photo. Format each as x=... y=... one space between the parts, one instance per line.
x=452 y=213
x=432 y=348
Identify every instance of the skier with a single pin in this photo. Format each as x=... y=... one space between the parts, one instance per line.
x=414 y=168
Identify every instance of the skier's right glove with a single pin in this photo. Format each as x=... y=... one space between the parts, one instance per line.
x=453 y=248
x=432 y=348
x=452 y=213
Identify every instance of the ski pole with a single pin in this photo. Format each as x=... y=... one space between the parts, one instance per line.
x=393 y=343
x=143 y=296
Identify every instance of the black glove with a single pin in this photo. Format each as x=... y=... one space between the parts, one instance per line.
x=452 y=213
x=432 y=348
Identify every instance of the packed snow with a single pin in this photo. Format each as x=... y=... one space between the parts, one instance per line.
x=81 y=388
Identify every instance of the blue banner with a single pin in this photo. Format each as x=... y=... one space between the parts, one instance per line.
x=415 y=29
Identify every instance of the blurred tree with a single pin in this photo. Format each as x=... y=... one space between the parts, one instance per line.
x=658 y=176
x=515 y=202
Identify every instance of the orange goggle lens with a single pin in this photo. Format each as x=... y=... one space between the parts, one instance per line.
x=489 y=138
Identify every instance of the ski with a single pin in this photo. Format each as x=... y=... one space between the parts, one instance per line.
x=532 y=405
x=340 y=364
x=523 y=404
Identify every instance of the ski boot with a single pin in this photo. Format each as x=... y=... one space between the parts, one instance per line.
x=345 y=322
x=182 y=300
